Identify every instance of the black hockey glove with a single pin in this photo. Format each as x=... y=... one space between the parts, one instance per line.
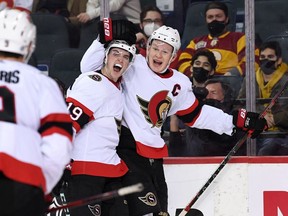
x=121 y=30
x=200 y=93
x=249 y=121
x=124 y=30
x=63 y=182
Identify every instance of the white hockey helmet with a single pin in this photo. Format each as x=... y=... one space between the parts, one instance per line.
x=18 y=34
x=122 y=45
x=167 y=35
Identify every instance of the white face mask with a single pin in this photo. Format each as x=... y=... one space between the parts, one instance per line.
x=150 y=28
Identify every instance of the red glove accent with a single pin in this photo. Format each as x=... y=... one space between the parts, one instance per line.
x=107 y=22
x=249 y=121
x=240 y=123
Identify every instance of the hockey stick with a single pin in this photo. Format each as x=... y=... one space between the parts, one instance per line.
x=101 y=197
x=231 y=153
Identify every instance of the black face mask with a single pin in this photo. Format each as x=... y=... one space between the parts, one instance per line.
x=216 y=28
x=267 y=66
x=200 y=74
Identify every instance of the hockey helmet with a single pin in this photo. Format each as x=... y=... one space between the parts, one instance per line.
x=18 y=34
x=167 y=35
x=122 y=45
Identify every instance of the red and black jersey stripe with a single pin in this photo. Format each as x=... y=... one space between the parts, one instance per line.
x=190 y=115
x=86 y=114
x=56 y=123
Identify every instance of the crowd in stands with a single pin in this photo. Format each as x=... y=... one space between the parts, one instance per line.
x=209 y=59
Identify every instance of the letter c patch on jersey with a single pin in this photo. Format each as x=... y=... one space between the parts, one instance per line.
x=176 y=89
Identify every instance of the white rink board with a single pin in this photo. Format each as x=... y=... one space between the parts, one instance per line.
x=238 y=190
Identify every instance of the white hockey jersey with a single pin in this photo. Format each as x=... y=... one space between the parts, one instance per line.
x=150 y=98
x=35 y=126
x=96 y=107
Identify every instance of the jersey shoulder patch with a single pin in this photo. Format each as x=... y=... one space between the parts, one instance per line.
x=95 y=77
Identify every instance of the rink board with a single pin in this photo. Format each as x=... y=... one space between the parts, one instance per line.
x=246 y=186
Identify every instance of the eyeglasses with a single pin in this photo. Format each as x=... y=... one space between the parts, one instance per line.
x=158 y=21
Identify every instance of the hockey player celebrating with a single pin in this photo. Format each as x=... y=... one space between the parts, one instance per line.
x=35 y=126
x=96 y=105
x=153 y=92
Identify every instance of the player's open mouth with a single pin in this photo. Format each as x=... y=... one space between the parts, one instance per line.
x=117 y=67
x=158 y=63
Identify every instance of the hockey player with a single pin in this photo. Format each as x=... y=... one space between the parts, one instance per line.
x=35 y=126
x=96 y=105
x=23 y=5
x=152 y=92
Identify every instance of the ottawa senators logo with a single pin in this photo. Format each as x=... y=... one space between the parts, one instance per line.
x=155 y=110
x=96 y=77
x=149 y=199
x=95 y=209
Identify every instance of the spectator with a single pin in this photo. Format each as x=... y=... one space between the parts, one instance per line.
x=228 y=47
x=69 y=9
x=202 y=67
x=75 y=7
x=35 y=127
x=128 y=8
x=96 y=105
x=271 y=75
x=57 y=7
x=153 y=92
x=201 y=142
x=151 y=18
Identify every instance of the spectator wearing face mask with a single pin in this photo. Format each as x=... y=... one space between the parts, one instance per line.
x=202 y=68
x=270 y=77
x=151 y=18
x=228 y=47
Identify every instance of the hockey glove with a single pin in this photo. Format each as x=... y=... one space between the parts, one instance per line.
x=63 y=182
x=117 y=30
x=250 y=122
x=200 y=93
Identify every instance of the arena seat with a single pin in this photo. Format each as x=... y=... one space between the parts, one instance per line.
x=65 y=65
x=52 y=35
x=270 y=17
